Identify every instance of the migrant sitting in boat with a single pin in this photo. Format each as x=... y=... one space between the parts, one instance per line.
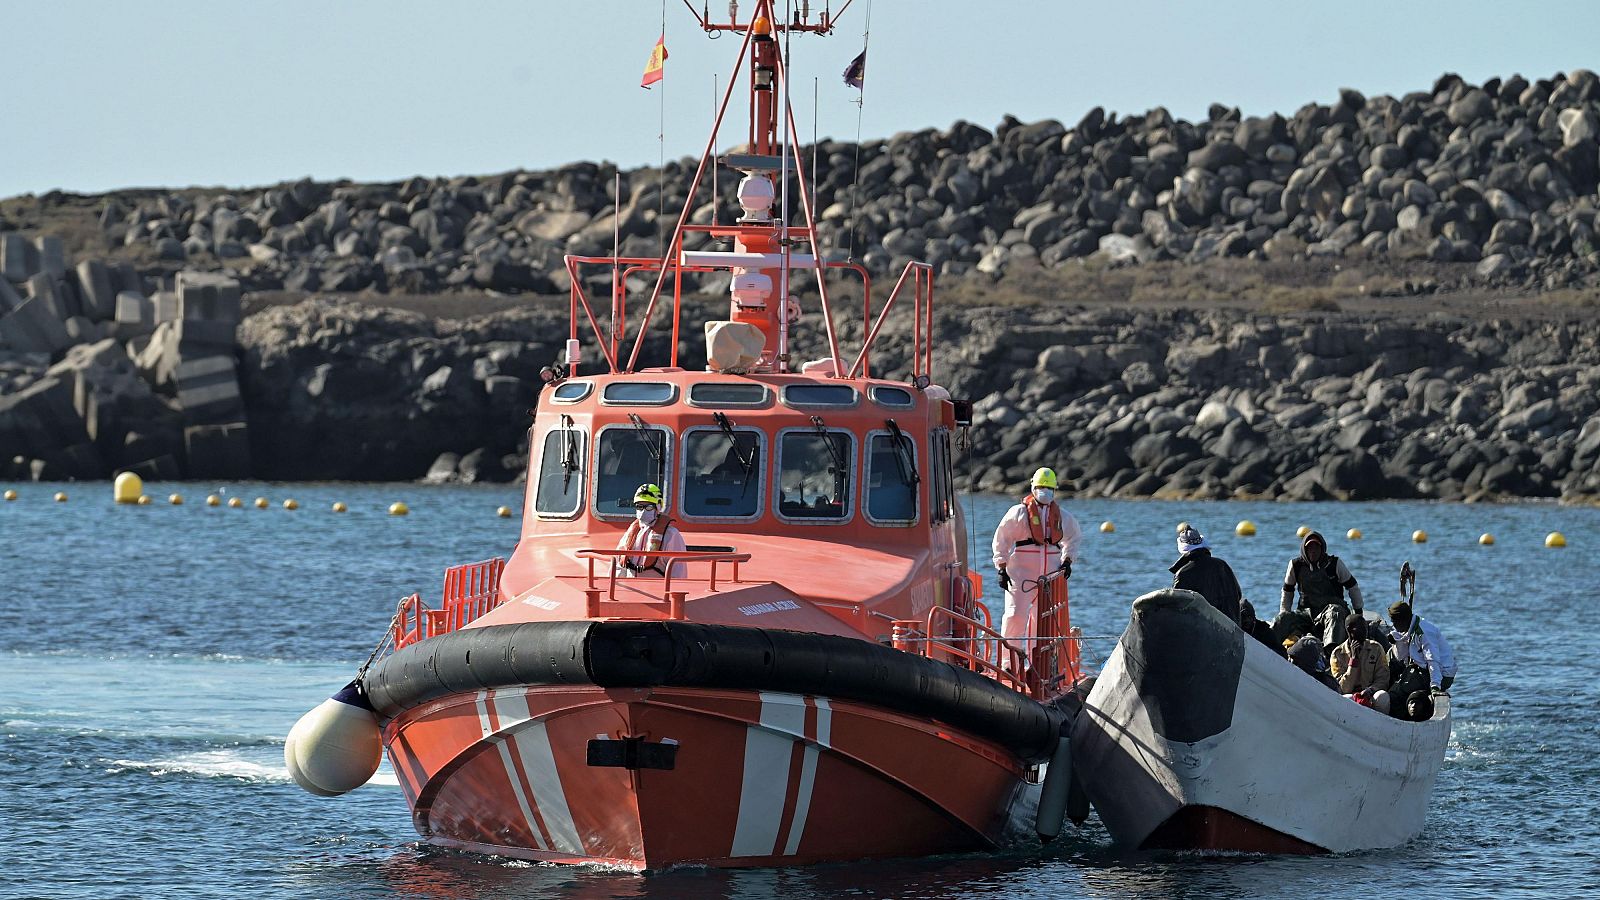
x=1321 y=580
x=1201 y=571
x=1034 y=538
x=1256 y=628
x=1306 y=655
x=1360 y=665
x=1423 y=660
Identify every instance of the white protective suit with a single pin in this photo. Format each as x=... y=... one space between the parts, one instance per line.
x=637 y=537
x=1027 y=563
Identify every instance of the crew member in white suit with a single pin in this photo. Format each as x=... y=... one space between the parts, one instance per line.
x=1035 y=537
x=648 y=532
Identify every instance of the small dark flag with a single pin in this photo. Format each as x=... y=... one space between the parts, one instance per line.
x=856 y=71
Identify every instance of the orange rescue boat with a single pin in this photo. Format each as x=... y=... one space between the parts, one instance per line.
x=820 y=682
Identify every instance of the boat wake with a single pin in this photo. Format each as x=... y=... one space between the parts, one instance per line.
x=231 y=764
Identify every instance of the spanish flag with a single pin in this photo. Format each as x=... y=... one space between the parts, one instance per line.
x=654 y=70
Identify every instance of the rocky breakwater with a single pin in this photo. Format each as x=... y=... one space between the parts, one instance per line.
x=99 y=373
x=1497 y=180
x=1215 y=404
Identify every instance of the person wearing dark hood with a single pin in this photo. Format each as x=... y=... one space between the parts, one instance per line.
x=1322 y=581
x=1197 y=570
x=1361 y=666
x=1256 y=628
x=1306 y=654
x=1424 y=659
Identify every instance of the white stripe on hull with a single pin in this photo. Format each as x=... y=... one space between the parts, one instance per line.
x=808 y=777
x=487 y=725
x=532 y=742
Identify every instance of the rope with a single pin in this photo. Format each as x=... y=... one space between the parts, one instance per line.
x=861 y=103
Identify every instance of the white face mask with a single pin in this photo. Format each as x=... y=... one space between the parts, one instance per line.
x=1044 y=494
x=645 y=516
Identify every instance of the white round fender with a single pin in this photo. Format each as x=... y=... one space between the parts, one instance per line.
x=336 y=747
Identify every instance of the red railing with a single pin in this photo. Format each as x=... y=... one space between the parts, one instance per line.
x=597 y=596
x=1055 y=655
x=469 y=592
x=921 y=275
x=1043 y=667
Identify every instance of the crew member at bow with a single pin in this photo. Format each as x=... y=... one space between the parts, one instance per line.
x=1035 y=537
x=649 y=532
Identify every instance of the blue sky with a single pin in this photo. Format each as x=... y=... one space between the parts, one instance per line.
x=97 y=94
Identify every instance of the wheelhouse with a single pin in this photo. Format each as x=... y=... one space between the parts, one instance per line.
x=732 y=453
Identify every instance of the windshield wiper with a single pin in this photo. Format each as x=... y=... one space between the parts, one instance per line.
x=569 y=454
x=903 y=458
x=646 y=435
x=833 y=447
x=733 y=442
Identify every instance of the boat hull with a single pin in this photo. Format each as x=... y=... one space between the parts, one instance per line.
x=1197 y=737
x=654 y=777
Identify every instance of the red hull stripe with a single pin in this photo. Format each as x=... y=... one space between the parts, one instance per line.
x=1211 y=828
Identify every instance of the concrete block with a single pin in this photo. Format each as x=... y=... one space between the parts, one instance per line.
x=204 y=296
x=32 y=327
x=217 y=452
x=52 y=255
x=166 y=304
x=44 y=417
x=55 y=295
x=9 y=298
x=136 y=315
x=208 y=391
x=81 y=330
x=212 y=333
x=18 y=259
x=126 y=278
x=94 y=289
x=157 y=468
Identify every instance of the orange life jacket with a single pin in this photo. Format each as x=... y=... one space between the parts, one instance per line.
x=658 y=534
x=1045 y=529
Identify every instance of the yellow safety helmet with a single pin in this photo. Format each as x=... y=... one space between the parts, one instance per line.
x=1044 y=478
x=648 y=493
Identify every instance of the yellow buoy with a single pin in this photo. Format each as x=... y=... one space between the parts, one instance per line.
x=175 y=499
x=144 y=500
x=1302 y=531
x=1419 y=536
x=235 y=503
x=503 y=512
x=11 y=495
x=338 y=506
x=1246 y=528
x=291 y=503
x=1107 y=528
x=61 y=496
x=398 y=509
x=1353 y=534
x=213 y=500
x=1555 y=539
x=127 y=488
x=261 y=503
x=1486 y=540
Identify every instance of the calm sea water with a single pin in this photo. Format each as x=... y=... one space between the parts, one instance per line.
x=151 y=660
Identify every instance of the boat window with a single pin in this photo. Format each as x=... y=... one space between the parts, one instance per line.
x=814 y=474
x=722 y=473
x=730 y=395
x=638 y=393
x=819 y=395
x=629 y=455
x=572 y=391
x=561 y=473
x=940 y=476
x=897 y=397
x=892 y=478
